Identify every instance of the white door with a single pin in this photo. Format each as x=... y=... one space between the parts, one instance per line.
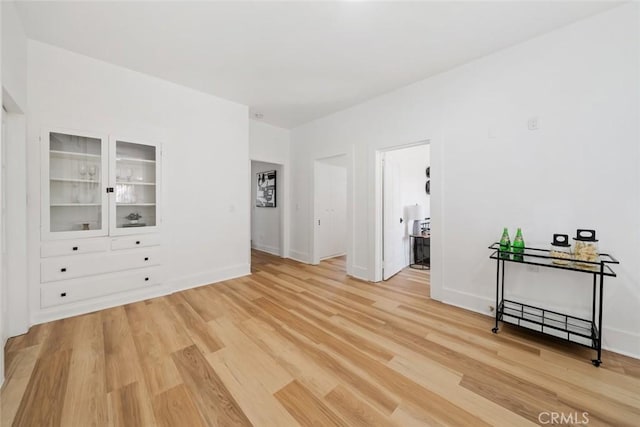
x=331 y=209
x=393 y=253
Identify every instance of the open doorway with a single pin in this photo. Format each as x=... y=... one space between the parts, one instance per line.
x=406 y=209
x=267 y=208
x=330 y=210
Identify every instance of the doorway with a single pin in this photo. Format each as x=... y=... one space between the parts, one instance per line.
x=406 y=209
x=267 y=200
x=330 y=208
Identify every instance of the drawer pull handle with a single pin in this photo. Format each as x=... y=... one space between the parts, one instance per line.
x=146 y=279
x=75 y=248
x=137 y=242
x=64 y=294
x=146 y=258
x=63 y=269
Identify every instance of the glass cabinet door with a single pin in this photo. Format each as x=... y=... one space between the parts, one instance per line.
x=134 y=203
x=74 y=196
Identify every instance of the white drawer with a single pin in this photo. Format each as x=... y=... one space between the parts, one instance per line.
x=131 y=242
x=71 y=247
x=63 y=268
x=69 y=291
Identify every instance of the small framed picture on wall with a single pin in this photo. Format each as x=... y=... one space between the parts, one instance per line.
x=266 y=189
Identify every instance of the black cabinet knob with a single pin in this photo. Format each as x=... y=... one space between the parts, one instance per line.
x=75 y=248
x=64 y=294
x=146 y=279
x=137 y=242
x=146 y=258
x=63 y=269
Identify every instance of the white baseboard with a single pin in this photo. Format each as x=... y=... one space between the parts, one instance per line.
x=616 y=340
x=623 y=342
x=333 y=256
x=265 y=248
x=299 y=256
x=360 y=272
x=209 y=277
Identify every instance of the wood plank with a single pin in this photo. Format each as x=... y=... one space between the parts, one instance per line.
x=17 y=377
x=175 y=407
x=243 y=383
x=307 y=408
x=121 y=360
x=158 y=369
x=355 y=411
x=43 y=399
x=216 y=404
x=130 y=406
x=85 y=403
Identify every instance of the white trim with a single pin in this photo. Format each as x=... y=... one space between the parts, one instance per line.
x=314 y=255
x=302 y=257
x=265 y=248
x=209 y=277
x=282 y=193
x=360 y=272
x=376 y=182
x=333 y=256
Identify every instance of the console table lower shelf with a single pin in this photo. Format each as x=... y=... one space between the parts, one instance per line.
x=585 y=332
x=564 y=326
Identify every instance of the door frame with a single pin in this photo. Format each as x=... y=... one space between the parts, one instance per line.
x=379 y=202
x=313 y=229
x=282 y=191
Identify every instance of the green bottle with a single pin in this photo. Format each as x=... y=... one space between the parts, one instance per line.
x=505 y=243
x=518 y=246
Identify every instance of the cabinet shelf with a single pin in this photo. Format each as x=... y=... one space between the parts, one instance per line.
x=134 y=183
x=73 y=155
x=542 y=258
x=74 y=180
x=539 y=319
x=134 y=160
x=135 y=204
x=71 y=205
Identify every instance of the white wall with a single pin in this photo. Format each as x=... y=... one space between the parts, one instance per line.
x=580 y=169
x=266 y=222
x=271 y=144
x=205 y=216
x=14 y=54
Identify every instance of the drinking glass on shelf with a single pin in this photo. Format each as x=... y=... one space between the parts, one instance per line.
x=93 y=170
x=127 y=174
x=82 y=169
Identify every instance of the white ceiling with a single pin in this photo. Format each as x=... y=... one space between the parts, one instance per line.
x=297 y=61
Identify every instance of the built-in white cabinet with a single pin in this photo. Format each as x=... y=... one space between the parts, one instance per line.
x=100 y=219
x=95 y=185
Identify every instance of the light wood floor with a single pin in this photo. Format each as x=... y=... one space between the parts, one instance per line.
x=297 y=344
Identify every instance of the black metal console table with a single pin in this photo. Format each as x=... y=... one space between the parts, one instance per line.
x=420 y=245
x=586 y=332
